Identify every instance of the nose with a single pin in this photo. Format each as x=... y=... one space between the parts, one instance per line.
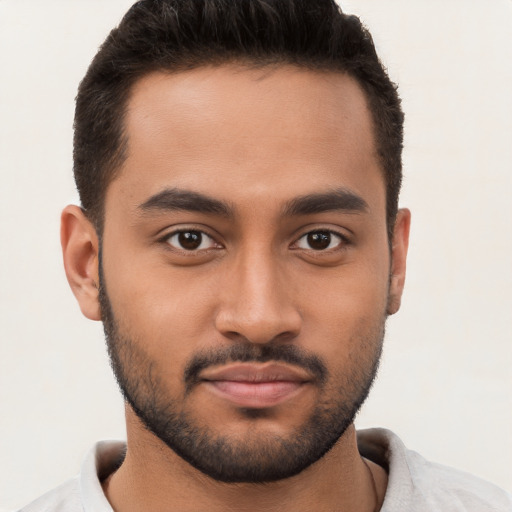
x=257 y=302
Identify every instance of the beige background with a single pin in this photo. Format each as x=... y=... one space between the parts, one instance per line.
x=445 y=384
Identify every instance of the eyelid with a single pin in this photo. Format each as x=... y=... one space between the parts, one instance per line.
x=344 y=239
x=175 y=230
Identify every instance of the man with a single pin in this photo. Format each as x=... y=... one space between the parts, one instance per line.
x=239 y=165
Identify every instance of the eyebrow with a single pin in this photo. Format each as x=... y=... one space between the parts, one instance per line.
x=336 y=200
x=175 y=199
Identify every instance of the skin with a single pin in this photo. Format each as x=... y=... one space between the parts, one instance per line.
x=255 y=140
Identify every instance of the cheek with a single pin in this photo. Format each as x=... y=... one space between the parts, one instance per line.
x=163 y=328
x=348 y=293
x=345 y=312
x=168 y=311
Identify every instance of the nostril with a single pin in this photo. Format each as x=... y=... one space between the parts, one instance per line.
x=283 y=337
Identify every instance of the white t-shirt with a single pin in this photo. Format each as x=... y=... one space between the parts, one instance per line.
x=414 y=484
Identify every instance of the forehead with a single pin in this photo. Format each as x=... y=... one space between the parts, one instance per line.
x=235 y=130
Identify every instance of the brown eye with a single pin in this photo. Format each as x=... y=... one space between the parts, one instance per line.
x=191 y=240
x=319 y=240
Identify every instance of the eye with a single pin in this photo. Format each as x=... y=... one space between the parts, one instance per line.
x=191 y=240
x=320 y=240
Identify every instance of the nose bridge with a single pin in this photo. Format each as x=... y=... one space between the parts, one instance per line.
x=257 y=305
x=258 y=282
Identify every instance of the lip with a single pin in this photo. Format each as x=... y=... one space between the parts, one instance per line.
x=256 y=385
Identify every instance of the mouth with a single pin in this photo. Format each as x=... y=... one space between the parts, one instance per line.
x=256 y=385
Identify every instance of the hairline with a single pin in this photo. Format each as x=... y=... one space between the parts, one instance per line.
x=113 y=168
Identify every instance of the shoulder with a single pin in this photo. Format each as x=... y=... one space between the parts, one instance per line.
x=65 y=498
x=456 y=490
x=418 y=485
x=84 y=492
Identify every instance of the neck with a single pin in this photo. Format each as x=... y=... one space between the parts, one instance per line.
x=153 y=477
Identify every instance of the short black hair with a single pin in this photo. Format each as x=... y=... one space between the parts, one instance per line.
x=177 y=35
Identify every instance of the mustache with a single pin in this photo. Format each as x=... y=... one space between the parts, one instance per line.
x=245 y=352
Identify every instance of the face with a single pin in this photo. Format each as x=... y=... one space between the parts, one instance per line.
x=245 y=267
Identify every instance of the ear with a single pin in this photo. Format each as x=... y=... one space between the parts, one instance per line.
x=80 y=249
x=400 y=243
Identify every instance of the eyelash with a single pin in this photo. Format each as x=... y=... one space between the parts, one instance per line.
x=343 y=241
x=198 y=249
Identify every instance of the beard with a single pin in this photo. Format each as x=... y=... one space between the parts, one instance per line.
x=255 y=457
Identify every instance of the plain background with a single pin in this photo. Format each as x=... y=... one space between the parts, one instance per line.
x=445 y=384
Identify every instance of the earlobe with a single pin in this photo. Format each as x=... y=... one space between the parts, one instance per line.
x=398 y=260
x=80 y=249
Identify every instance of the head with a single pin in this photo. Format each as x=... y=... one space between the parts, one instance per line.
x=174 y=36
x=239 y=166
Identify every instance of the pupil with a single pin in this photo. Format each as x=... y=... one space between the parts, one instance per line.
x=190 y=239
x=319 y=240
